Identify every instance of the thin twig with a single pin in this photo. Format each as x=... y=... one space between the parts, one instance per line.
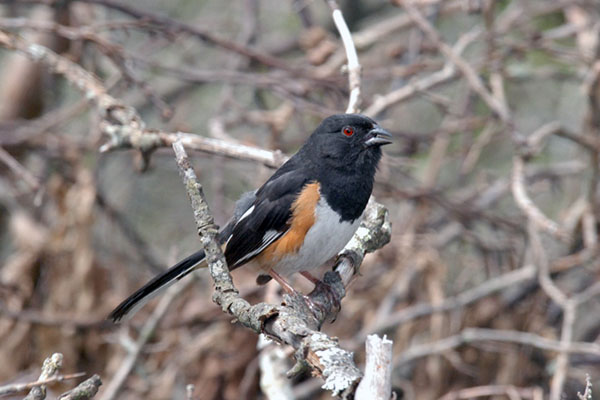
x=527 y=205
x=354 y=68
x=474 y=335
x=510 y=391
x=487 y=288
x=21 y=387
x=126 y=366
x=587 y=394
x=19 y=169
x=447 y=73
x=470 y=75
x=175 y=26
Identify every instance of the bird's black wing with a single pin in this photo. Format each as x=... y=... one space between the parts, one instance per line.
x=259 y=219
x=267 y=219
x=179 y=270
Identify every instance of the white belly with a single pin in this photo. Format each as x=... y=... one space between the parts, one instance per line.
x=326 y=238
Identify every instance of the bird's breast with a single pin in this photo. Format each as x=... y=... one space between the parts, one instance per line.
x=326 y=237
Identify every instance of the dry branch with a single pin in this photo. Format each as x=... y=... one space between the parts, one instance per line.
x=19 y=169
x=20 y=387
x=526 y=204
x=50 y=374
x=466 y=69
x=122 y=124
x=377 y=382
x=446 y=74
x=510 y=391
x=50 y=369
x=474 y=335
x=273 y=362
x=175 y=26
x=84 y=391
x=488 y=288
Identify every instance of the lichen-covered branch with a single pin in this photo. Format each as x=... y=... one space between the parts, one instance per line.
x=84 y=391
x=21 y=387
x=50 y=374
x=292 y=323
x=50 y=368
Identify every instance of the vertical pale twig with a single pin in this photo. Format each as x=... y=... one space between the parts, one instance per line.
x=587 y=394
x=354 y=68
x=377 y=382
x=189 y=391
x=114 y=386
x=562 y=360
x=526 y=204
x=273 y=362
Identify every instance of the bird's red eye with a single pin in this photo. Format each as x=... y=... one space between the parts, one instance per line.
x=348 y=131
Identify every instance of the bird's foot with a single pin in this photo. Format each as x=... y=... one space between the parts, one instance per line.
x=323 y=301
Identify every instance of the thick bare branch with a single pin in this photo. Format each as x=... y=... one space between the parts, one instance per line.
x=377 y=383
x=84 y=391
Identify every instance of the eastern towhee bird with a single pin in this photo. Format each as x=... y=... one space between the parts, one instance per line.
x=302 y=216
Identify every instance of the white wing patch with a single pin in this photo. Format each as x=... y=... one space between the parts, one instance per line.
x=270 y=236
x=246 y=214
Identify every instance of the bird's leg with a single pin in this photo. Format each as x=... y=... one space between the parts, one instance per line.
x=310 y=277
x=324 y=288
x=315 y=308
x=283 y=283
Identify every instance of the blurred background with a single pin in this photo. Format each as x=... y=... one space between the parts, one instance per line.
x=491 y=186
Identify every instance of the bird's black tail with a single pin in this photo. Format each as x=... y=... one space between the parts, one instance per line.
x=159 y=283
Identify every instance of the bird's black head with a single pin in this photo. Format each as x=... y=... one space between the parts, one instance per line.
x=349 y=140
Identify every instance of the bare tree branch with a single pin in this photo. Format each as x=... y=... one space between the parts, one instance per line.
x=50 y=369
x=84 y=391
x=377 y=382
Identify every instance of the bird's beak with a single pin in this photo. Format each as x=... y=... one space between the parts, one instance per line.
x=378 y=137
